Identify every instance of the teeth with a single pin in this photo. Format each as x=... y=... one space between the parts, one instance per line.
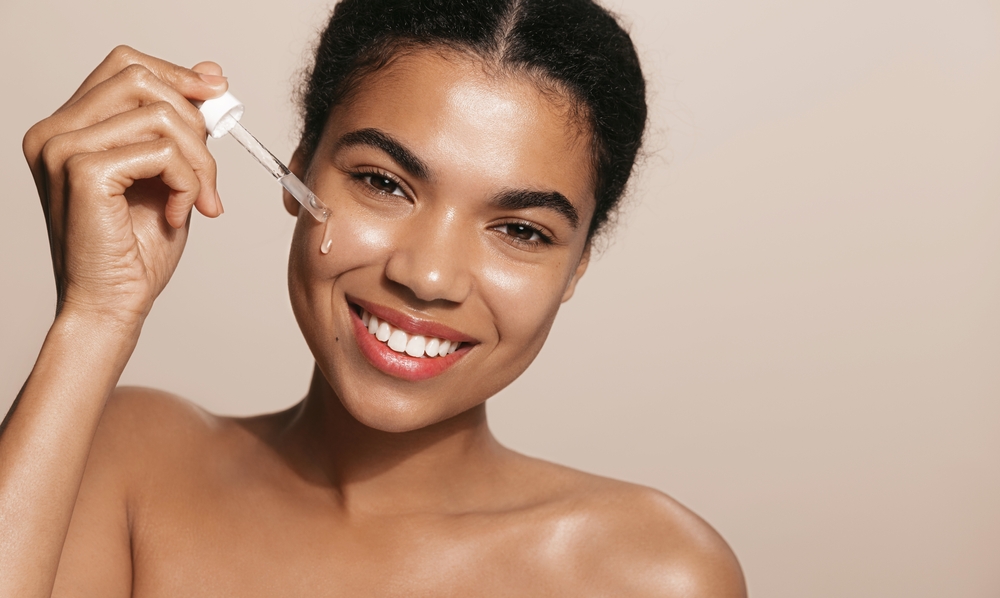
x=397 y=341
x=415 y=346
x=400 y=342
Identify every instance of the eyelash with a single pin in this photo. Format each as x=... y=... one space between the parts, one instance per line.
x=368 y=173
x=542 y=239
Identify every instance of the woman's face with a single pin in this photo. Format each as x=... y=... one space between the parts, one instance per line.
x=461 y=201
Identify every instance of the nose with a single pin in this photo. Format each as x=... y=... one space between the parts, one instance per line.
x=431 y=260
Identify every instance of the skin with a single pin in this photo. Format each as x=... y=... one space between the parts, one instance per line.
x=372 y=485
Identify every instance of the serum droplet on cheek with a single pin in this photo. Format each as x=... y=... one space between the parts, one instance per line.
x=358 y=236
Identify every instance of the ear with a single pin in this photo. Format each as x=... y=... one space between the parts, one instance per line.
x=297 y=165
x=580 y=269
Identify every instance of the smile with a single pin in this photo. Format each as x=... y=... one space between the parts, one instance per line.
x=414 y=345
x=409 y=348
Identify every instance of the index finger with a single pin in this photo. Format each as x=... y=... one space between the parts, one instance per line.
x=189 y=83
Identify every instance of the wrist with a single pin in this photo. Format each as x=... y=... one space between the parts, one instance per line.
x=88 y=348
x=112 y=319
x=101 y=327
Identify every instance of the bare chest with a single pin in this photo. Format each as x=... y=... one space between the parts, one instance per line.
x=261 y=542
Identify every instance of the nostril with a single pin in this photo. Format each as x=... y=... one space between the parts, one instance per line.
x=430 y=274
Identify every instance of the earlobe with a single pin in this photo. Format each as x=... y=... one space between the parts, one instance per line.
x=580 y=269
x=297 y=165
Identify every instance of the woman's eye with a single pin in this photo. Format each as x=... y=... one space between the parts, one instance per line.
x=383 y=184
x=523 y=233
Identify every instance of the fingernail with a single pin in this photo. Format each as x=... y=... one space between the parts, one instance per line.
x=218 y=202
x=213 y=80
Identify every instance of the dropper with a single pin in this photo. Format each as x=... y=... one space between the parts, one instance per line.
x=222 y=115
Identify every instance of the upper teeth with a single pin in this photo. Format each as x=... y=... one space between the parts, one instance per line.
x=413 y=345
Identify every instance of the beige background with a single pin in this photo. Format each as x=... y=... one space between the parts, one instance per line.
x=796 y=331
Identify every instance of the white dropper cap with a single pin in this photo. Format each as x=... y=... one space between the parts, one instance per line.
x=221 y=114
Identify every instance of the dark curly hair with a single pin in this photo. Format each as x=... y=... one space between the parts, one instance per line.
x=574 y=46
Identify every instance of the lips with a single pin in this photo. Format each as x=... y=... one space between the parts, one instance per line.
x=406 y=347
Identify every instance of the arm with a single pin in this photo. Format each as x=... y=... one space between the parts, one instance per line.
x=118 y=168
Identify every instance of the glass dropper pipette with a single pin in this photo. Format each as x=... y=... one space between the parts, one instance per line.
x=222 y=115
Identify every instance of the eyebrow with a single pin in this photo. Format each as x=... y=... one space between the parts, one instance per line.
x=520 y=199
x=380 y=140
x=516 y=199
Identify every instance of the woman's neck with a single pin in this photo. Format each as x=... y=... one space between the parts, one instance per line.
x=452 y=465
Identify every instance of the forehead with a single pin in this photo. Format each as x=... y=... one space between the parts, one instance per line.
x=462 y=117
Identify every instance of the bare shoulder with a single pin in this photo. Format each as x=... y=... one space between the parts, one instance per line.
x=160 y=442
x=145 y=417
x=667 y=548
x=151 y=435
x=138 y=402
x=134 y=450
x=636 y=541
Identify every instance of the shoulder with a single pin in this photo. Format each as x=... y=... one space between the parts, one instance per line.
x=148 y=416
x=636 y=541
x=144 y=431
x=137 y=403
x=146 y=441
x=669 y=549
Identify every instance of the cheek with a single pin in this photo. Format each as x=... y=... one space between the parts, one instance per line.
x=356 y=243
x=527 y=298
x=347 y=240
x=355 y=240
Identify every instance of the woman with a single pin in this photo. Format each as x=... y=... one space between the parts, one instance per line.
x=469 y=153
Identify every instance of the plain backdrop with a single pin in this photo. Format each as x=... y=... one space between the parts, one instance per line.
x=796 y=328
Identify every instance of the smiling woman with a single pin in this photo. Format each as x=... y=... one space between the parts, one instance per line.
x=468 y=152
x=445 y=212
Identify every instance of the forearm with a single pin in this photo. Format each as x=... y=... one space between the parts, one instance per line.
x=46 y=440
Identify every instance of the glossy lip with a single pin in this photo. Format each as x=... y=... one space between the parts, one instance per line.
x=411 y=325
x=401 y=365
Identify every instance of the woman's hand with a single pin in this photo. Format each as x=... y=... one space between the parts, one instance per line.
x=118 y=169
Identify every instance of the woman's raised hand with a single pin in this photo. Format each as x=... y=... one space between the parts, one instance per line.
x=118 y=169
